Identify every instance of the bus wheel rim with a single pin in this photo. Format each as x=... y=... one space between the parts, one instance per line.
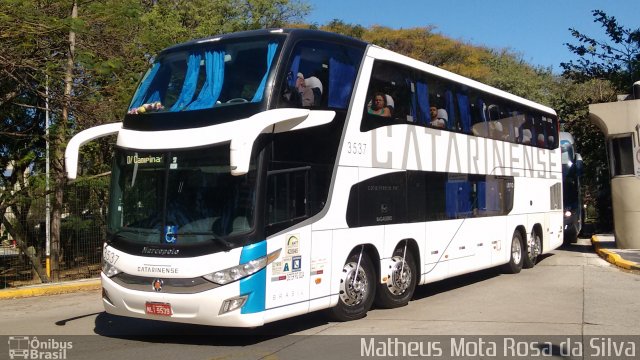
x=516 y=251
x=353 y=288
x=534 y=247
x=400 y=278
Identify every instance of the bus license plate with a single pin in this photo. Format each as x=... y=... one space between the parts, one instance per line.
x=161 y=309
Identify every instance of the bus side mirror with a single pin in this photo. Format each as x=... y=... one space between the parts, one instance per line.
x=271 y=121
x=73 y=147
x=579 y=165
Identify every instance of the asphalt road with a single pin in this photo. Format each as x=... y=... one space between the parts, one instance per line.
x=571 y=294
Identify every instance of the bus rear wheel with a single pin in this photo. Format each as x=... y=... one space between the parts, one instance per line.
x=534 y=248
x=357 y=288
x=401 y=282
x=515 y=261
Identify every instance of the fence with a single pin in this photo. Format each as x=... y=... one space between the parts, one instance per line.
x=82 y=233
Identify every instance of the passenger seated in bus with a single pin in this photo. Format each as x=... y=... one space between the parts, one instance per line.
x=526 y=136
x=541 y=141
x=439 y=117
x=307 y=96
x=378 y=105
x=315 y=85
x=497 y=131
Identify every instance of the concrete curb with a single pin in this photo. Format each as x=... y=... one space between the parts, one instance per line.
x=50 y=289
x=611 y=256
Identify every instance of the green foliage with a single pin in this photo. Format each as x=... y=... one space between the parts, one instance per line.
x=117 y=39
x=616 y=60
x=572 y=101
x=340 y=27
x=114 y=42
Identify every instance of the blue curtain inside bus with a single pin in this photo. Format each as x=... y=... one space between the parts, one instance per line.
x=451 y=113
x=414 y=107
x=190 y=83
x=159 y=85
x=465 y=116
x=341 y=79
x=271 y=53
x=138 y=98
x=422 y=92
x=458 y=202
x=214 y=65
x=293 y=72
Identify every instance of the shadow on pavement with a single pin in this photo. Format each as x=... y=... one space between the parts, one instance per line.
x=132 y=329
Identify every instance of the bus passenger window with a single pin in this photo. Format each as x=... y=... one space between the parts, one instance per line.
x=320 y=74
x=478 y=112
x=551 y=127
x=390 y=97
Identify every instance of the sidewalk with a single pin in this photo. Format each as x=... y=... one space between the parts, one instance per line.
x=605 y=246
x=51 y=289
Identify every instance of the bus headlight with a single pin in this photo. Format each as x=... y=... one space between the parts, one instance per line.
x=567 y=213
x=238 y=272
x=109 y=270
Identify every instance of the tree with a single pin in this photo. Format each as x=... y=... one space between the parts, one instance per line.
x=93 y=54
x=340 y=27
x=605 y=67
x=616 y=59
x=571 y=101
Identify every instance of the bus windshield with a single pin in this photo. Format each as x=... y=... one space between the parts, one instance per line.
x=180 y=197
x=206 y=75
x=567 y=152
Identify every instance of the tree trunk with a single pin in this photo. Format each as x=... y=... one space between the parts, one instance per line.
x=22 y=244
x=59 y=141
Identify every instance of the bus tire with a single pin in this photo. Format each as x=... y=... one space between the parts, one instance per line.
x=515 y=260
x=534 y=248
x=357 y=289
x=570 y=236
x=401 y=283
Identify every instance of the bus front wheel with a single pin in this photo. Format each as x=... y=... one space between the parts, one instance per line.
x=515 y=261
x=401 y=282
x=357 y=288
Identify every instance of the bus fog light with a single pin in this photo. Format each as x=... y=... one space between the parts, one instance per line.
x=232 y=304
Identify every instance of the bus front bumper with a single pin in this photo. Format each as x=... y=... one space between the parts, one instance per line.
x=204 y=308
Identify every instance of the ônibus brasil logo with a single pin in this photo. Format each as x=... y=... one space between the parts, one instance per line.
x=26 y=347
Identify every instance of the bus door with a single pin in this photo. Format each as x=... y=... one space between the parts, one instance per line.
x=288 y=276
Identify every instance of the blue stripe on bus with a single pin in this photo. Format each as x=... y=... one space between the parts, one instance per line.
x=255 y=285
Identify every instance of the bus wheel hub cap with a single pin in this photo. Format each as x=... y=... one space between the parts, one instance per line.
x=400 y=277
x=353 y=287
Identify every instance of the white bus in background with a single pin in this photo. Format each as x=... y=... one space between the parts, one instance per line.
x=254 y=180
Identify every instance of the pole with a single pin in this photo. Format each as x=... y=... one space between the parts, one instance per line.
x=47 y=199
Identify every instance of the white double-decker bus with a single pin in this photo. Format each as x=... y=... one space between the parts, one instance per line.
x=267 y=174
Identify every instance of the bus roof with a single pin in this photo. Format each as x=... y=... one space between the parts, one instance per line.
x=292 y=33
